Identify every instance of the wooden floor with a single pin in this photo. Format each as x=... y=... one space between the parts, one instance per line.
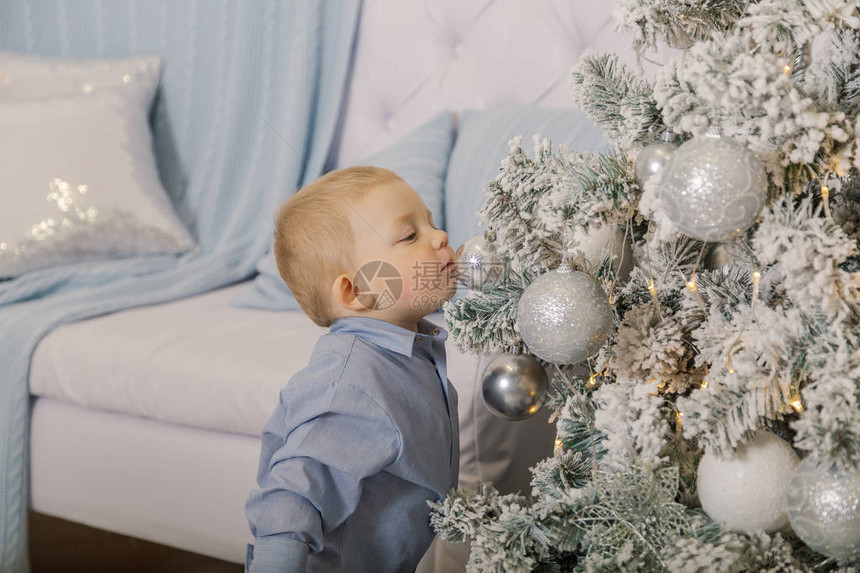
x=59 y=546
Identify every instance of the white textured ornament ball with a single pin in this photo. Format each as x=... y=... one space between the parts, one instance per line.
x=824 y=509
x=481 y=268
x=564 y=316
x=652 y=160
x=713 y=188
x=595 y=242
x=746 y=491
x=514 y=386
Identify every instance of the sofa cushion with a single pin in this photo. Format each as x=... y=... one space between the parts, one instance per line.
x=482 y=143
x=420 y=157
x=196 y=362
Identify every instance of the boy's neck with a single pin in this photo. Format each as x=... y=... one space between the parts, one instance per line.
x=408 y=325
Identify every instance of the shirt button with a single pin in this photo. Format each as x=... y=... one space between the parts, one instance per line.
x=435 y=331
x=419 y=339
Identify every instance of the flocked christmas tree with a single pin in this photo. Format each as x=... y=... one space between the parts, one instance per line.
x=706 y=399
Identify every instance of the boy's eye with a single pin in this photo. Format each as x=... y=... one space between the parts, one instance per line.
x=410 y=237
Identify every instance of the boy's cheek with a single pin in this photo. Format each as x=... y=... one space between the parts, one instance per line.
x=430 y=297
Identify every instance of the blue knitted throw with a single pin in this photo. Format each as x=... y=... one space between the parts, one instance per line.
x=250 y=95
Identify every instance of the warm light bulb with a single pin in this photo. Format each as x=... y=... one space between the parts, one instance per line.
x=557 y=443
x=756 y=279
x=704 y=385
x=797 y=405
x=591 y=380
x=786 y=69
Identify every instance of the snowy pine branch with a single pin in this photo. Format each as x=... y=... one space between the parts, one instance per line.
x=590 y=190
x=486 y=321
x=616 y=100
x=512 y=205
x=675 y=22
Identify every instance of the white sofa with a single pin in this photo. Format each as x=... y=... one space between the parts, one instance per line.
x=146 y=422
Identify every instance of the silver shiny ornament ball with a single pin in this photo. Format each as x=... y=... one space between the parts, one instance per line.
x=652 y=159
x=564 y=316
x=824 y=510
x=713 y=188
x=745 y=491
x=481 y=268
x=514 y=386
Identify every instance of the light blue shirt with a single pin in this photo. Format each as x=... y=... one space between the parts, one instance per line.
x=360 y=441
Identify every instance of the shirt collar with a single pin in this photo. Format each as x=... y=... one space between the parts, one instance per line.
x=387 y=335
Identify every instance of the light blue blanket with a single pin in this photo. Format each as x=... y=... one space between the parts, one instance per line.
x=250 y=95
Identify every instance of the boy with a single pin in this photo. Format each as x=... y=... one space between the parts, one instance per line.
x=368 y=433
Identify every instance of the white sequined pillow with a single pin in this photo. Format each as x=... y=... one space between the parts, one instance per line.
x=78 y=179
x=25 y=76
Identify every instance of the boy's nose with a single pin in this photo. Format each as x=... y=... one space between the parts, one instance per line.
x=440 y=239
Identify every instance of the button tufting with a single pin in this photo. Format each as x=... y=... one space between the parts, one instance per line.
x=415 y=58
x=419 y=339
x=435 y=331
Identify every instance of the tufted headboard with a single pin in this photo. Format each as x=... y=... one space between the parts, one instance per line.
x=416 y=57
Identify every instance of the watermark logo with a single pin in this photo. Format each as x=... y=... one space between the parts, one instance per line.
x=380 y=285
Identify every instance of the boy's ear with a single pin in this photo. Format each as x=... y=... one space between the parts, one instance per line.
x=345 y=294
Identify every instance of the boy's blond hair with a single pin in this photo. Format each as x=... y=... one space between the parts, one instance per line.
x=314 y=239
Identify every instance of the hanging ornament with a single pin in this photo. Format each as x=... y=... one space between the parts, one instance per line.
x=652 y=159
x=564 y=316
x=595 y=242
x=824 y=509
x=746 y=491
x=713 y=188
x=720 y=256
x=514 y=386
x=481 y=268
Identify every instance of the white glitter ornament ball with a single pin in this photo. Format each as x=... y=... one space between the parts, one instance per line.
x=713 y=188
x=481 y=268
x=824 y=509
x=746 y=491
x=564 y=316
x=514 y=386
x=652 y=159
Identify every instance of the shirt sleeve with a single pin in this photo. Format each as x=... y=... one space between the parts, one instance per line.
x=333 y=438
